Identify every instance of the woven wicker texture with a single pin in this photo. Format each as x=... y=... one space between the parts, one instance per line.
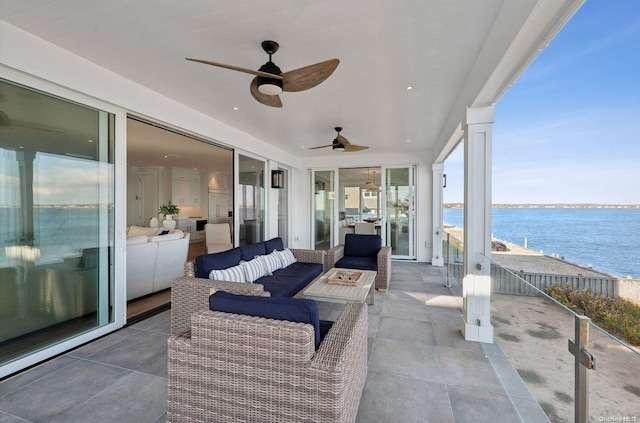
x=236 y=368
x=384 y=264
x=310 y=256
x=189 y=295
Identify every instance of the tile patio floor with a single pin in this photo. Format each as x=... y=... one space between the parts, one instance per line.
x=420 y=368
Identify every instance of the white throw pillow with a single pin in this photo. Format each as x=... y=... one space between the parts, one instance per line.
x=232 y=274
x=253 y=269
x=271 y=262
x=287 y=257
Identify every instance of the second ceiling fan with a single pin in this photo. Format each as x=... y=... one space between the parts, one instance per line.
x=270 y=82
x=340 y=143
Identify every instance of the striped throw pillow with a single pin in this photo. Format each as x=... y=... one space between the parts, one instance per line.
x=253 y=269
x=286 y=257
x=232 y=274
x=271 y=262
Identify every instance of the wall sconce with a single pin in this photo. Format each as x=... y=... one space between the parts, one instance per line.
x=277 y=179
x=444 y=180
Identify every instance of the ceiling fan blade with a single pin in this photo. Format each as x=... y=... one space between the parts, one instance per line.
x=322 y=146
x=309 y=76
x=342 y=140
x=352 y=148
x=237 y=68
x=267 y=100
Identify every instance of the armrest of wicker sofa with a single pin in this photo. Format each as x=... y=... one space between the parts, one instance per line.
x=384 y=269
x=189 y=295
x=310 y=256
x=232 y=367
x=333 y=255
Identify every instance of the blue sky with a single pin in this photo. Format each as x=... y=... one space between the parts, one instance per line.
x=568 y=131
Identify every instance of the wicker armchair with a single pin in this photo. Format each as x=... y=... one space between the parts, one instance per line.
x=383 y=261
x=237 y=368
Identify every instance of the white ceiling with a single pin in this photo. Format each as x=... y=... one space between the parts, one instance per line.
x=454 y=53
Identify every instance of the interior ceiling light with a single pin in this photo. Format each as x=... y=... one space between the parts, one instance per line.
x=369 y=186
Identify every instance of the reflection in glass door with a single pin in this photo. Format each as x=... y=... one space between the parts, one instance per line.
x=250 y=200
x=56 y=222
x=400 y=200
x=324 y=208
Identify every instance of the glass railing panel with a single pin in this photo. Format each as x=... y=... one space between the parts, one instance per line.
x=614 y=385
x=453 y=251
x=533 y=331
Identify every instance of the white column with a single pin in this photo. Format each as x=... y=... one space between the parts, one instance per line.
x=436 y=238
x=476 y=282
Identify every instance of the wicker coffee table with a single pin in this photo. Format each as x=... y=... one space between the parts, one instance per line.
x=364 y=289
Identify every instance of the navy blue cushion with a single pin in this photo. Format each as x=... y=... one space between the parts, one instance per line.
x=356 y=245
x=289 y=281
x=362 y=263
x=274 y=244
x=249 y=251
x=291 y=309
x=222 y=260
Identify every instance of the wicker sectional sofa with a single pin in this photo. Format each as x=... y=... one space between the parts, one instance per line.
x=191 y=293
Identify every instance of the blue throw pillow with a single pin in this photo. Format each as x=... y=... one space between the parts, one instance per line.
x=291 y=309
x=274 y=244
x=216 y=261
x=357 y=245
x=248 y=252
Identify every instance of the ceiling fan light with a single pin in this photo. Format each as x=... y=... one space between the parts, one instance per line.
x=338 y=147
x=270 y=86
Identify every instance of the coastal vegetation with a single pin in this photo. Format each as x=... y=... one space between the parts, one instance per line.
x=615 y=315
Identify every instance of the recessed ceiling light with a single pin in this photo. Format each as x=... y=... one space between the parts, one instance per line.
x=236 y=108
x=408 y=140
x=90 y=140
x=409 y=87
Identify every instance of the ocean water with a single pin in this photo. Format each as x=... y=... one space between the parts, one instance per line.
x=607 y=239
x=60 y=232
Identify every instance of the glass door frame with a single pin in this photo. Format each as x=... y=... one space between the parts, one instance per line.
x=412 y=168
x=334 y=212
x=266 y=181
x=117 y=254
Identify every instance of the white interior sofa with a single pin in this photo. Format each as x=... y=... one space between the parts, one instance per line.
x=154 y=260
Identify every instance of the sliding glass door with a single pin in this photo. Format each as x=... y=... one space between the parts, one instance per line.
x=251 y=200
x=56 y=221
x=324 y=208
x=400 y=211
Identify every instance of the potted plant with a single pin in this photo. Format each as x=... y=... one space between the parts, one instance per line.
x=169 y=210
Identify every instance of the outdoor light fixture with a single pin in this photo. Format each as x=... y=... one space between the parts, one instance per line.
x=444 y=180
x=277 y=179
x=369 y=186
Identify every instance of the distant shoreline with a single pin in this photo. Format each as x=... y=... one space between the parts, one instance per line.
x=549 y=206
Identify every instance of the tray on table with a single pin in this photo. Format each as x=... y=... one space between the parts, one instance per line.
x=345 y=277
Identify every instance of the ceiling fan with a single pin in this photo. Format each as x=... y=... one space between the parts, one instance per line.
x=270 y=81
x=340 y=143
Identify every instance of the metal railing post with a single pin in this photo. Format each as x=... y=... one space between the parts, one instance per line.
x=584 y=361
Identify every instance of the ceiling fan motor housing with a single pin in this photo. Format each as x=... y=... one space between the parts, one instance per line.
x=270 y=86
